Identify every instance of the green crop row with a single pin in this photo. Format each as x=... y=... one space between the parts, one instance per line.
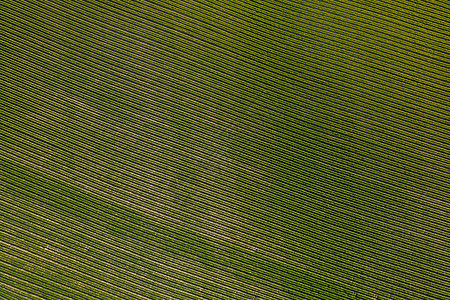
x=415 y=141
x=111 y=46
x=224 y=150
x=149 y=245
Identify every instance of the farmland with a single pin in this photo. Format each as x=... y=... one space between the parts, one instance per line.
x=224 y=150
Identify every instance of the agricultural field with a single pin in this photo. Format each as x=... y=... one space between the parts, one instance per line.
x=204 y=149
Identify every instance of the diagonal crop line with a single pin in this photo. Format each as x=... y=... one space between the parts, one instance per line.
x=227 y=149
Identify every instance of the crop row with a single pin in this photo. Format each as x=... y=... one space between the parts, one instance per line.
x=372 y=132
x=138 y=161
x=318 y=51
x=225 y=65
x=99 y=175
x=155 y=150
x=142 y=162
x=315 y=153
x=136 y=16
x=322 y=62
x=373 y=17
x=142 y=142
x=144 y=245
